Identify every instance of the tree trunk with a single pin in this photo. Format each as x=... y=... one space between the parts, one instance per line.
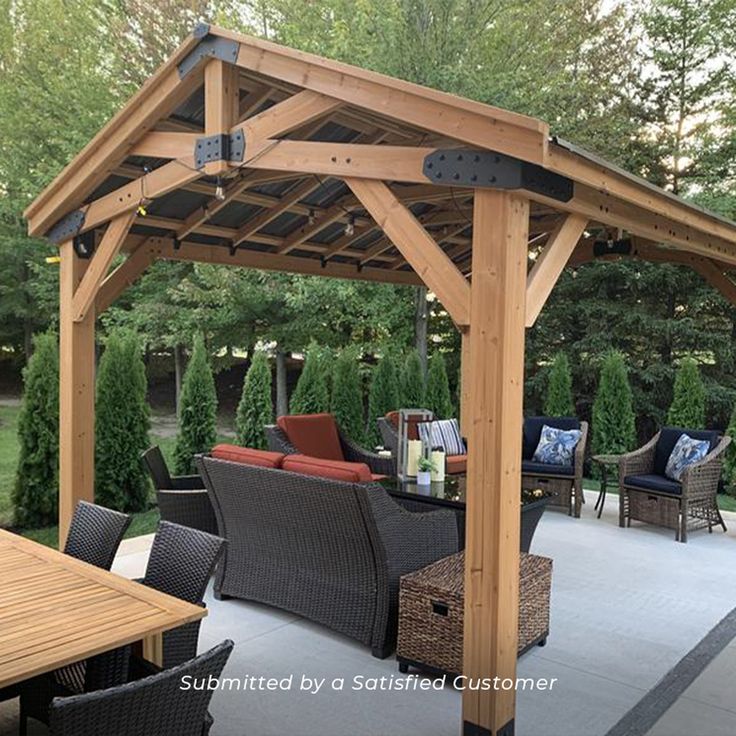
x=178 y=374
x=282 y=399
x=420 y=325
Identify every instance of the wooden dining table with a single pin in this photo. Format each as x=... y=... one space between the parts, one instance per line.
x=56 y=610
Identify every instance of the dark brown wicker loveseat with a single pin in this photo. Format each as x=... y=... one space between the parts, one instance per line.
x=318 y=435
x=328 y=550
x=564 y=480
x=647 y=494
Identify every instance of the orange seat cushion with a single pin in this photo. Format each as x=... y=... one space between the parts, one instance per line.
x=248 y=456
x=332 y=469
x=456 y=464
x=313 y=434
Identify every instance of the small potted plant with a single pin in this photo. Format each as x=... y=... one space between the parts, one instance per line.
x=425 y=468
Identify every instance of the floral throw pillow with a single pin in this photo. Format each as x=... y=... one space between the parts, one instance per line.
x=556 y=446
x=685 y=452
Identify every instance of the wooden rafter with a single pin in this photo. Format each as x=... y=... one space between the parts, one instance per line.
x=550 y=263
x=427 y=259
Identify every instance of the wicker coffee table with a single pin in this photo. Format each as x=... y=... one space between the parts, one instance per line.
x=431 y=603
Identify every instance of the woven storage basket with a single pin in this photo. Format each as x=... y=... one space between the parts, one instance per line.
x=654 y=509
x=431 y=612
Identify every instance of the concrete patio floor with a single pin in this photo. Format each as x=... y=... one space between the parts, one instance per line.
x=627 y=605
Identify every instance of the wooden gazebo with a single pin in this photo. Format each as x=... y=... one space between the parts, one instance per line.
x=245 y=153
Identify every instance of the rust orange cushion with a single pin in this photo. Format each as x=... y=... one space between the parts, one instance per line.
x=313 y=434
x=456 y=464
x=332 y=469
x=247 y=455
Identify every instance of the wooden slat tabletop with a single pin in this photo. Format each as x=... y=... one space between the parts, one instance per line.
x=55 y=610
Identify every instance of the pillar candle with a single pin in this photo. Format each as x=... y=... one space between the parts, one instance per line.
x=413 y=453
x=438 y=458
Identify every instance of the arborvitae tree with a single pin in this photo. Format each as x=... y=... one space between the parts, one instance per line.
x=255 y=409
x=347 y=396
x=122 y=425
x=311 y=395
x=197 y=410
x=688 y=402
x=559 y=401
x=37 y=477
x=729 y=464
x=412 y=382
x=437 y=398
x=384 y=394
x=614 y=430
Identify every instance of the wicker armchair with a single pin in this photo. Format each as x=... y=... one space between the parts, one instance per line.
x=293 y=435
x=328 y=550
x=182 y=499
x=154 y=706
x=646 y=494
x=565 y=481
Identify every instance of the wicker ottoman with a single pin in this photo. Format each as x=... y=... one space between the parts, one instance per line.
x=431 y=612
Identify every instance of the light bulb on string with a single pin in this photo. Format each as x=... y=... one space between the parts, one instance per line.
x=350 y=226
x=219 y=190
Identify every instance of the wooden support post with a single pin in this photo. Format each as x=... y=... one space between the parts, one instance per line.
x=543 y=276
x=76 y=393
x=221 y=102
x=465 y=422
x=495 y=377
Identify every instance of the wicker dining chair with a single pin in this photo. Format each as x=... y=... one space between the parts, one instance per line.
x=154 y=706
x=95 y=534
x=181 y=563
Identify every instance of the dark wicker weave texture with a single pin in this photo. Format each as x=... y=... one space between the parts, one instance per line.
x=431 y=612
x=380 y=465
x=330 y=551
x=95 y=534
x=181 y=563
x=695 y=508
x=154 y=706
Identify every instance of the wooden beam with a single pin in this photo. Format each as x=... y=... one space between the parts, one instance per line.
x=427 y=109
x=84 y=296
x=548 y=266
x=496 y=381
x=157 y=98
x=386 y=163
x=221 y=99
x=301 y=234
x=161 y=144
x=416 y=245
x=76 y=393
x=123 y=276
x=164 y=248
x=465 y=378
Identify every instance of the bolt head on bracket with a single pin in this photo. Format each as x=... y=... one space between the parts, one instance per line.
x=220 y=147
x=214 y=47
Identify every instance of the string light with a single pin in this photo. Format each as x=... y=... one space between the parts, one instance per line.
x=350 y=225
x=311 y=217
x=219 y=190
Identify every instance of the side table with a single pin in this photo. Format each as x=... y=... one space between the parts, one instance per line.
x=605 y=462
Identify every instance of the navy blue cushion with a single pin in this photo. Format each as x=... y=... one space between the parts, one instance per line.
x=668 y=438
x=533 y=428
x=654 y=483
x=529 y=467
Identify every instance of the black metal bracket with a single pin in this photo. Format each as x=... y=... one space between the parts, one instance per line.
x=622 y=247
x=488 y=169
x=214 y=47
x=471 y=729
x=220 y=147
x=67 y=227
x=84 y=244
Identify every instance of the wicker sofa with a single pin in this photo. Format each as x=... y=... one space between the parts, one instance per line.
x=647 y=494
x=329 y=550
x=566 y=481
x=318 y=435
